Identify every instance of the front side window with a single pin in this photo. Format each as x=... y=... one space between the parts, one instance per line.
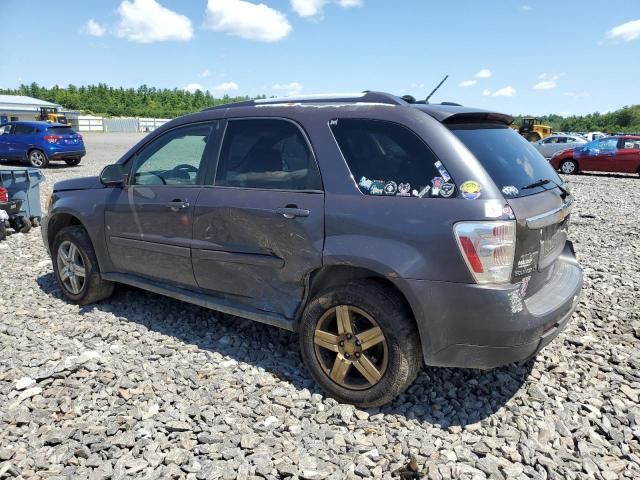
x=386 y=158
x=174 y=158
x=266 y=153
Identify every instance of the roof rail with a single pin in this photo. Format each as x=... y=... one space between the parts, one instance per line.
x=362 y=97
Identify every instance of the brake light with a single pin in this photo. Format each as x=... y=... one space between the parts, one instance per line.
x=488 y=249
x=4 y=195
x=52 y=138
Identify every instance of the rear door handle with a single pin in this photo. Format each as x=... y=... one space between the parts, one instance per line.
x=292 y=212
x=177 y=205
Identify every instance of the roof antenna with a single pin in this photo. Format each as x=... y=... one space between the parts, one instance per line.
x=435 y=89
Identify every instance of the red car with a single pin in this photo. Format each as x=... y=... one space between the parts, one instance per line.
x=609 y=154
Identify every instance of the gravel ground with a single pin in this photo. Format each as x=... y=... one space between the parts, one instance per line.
x=144 y=386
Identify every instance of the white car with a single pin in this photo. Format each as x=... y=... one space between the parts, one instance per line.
x=556 y=143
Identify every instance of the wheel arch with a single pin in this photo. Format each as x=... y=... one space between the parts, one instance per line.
x=57 y=222
x=335 y=275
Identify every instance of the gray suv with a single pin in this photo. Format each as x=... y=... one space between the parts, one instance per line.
x=389 y=233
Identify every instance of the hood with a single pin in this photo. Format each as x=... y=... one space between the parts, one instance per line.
x=82 y=183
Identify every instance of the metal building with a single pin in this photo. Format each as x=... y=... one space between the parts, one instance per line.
x=20 y=107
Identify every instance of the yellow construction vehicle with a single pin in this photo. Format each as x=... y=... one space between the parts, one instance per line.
x=51 y=115
x=531 y=130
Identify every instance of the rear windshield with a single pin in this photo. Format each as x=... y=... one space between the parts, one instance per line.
x=61 y=130
x=508 y=158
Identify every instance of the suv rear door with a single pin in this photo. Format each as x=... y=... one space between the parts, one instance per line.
x=259 y=226
x=148 y=223
x=541 y=209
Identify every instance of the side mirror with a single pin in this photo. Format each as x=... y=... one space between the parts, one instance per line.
x=113 y=175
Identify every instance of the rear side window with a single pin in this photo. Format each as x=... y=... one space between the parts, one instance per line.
x=508 y=158
x=266 y=153
x=23 y=130
x=61 y=131
x=386 y=158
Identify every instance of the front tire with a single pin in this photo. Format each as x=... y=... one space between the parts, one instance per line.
x=38 y=159
x=76 y=267
x=360 y=343
x=72 y=162
x=569 y=167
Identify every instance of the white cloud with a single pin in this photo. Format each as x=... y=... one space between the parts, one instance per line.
x=292 y=88
x=545 y=85
x=311 y=8
x=547 y=81
x=627 y=31
x=146 y=21
x=505 y=92
x=247 y=20
x=94 y=29
x=468 y=83
x=226 y=87
x=525 y=8
x=204 y=73
x=484 y=73
x=486 y=92
x=193 y=87
x=417 y=85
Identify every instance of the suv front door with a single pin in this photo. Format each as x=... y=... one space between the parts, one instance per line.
x=259 y=228
x=149 y=222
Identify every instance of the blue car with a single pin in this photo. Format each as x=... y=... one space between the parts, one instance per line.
x=39 y=143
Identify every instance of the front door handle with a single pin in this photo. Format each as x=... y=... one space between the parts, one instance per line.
x=292 y=212
x=177 y=205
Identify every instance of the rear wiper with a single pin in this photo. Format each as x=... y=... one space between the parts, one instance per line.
x=545 y=181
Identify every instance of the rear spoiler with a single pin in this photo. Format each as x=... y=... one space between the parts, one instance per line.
x=478 y=117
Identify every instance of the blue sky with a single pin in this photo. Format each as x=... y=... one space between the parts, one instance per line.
x=581 y=56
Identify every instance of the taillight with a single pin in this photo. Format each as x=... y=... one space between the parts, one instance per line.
x=52 y=138
x=488 y=249
x=4 y=195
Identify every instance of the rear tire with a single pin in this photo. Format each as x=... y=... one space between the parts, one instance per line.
x=533 y=137
x=72 y=162
x=76 y=267
x=38 y=159
x=377 y=367
x=569 y=167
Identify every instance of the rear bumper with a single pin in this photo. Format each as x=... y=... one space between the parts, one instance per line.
x=476 y=326
x=64 y=154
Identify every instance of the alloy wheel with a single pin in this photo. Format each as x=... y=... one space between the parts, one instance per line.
x=37 y=158
x=71 y=268
x=351 y=347
x=568 y=167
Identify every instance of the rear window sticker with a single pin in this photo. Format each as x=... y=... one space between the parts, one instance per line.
x=404 y=190
x=377 y=187
x=443 y=171
x=509 y=190
x=436 y=183
x=471 y=189
x=365 y=183
x=390 y=187
x=447 y=190
x=424 y=191
x=493 y=209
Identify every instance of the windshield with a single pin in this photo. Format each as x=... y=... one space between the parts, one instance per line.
x=508 y=158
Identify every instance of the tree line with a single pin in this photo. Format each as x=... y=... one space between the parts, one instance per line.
x=623 y=120
x=146 y=101
x=143 y=101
